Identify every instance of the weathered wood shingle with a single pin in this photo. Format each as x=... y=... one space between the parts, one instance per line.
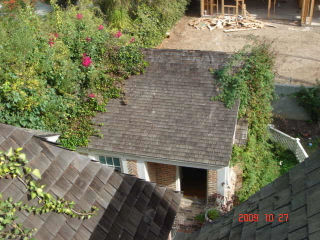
x=126 y=209
x=169 y=114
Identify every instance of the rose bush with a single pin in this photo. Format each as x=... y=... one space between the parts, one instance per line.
x=56 y=71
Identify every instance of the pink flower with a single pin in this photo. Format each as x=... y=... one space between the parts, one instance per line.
x=101 y=27
x=51 y=42
x=79 y=16
x=132 y=40
x=91 y=95
x=88 y=39
x=118 y=34
x=56 y=35
x=86 y=60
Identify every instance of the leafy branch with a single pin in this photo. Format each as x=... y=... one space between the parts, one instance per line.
x=13 y=164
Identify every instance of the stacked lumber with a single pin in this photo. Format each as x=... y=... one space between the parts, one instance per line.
x=228 y=23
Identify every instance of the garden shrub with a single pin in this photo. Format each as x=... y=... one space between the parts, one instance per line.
x=249 y=77
x=56 y=72
x=309 y=98
x=147 y=21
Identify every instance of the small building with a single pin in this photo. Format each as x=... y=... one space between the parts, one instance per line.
x=168 y=130
x=304 y=11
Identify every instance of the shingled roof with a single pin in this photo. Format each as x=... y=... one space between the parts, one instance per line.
x=169 y=114
x=129 y=208
x=296 y=193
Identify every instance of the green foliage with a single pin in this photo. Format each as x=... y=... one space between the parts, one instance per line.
x=284 y=157
x=147 y=21
x=309 y=98
x=212 y=214
x=45 y=82
x=13 y=164
x=249 y=77
x=126 y=61
x=200 y=217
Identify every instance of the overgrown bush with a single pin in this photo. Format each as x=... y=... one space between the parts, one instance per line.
x=309 y=98
x=147 y=21
x=249 y=77
x=56 y=72
x=285 y=157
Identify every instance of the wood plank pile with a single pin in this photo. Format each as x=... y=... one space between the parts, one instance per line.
x=229 y=23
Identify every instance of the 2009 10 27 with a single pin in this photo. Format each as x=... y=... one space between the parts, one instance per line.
x=268 y=217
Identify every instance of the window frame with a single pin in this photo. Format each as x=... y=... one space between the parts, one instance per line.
x=116 y=167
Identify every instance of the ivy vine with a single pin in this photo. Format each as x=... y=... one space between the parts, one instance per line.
x=249 y=76
x=13 y=164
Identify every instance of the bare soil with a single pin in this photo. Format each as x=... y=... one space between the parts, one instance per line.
x=298 y=48
x=307 y=131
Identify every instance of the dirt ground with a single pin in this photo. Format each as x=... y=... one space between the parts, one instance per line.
x=298 y=48
x=307 y=131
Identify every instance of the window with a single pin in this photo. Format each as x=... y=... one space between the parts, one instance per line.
x=111 y=162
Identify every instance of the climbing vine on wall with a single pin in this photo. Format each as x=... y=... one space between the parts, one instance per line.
x=249 y=76
x=13 y=164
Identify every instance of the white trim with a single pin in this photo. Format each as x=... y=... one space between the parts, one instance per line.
x=142 y=170
x=124 y=165
x=178 y=183
x=223 y=177
x=150 y=159
x=235 y=127
x=302 y=148
x=52 y=138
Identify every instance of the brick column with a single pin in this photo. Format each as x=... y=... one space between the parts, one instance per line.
x=132 y=167
x=166 y=175
x=212 y=177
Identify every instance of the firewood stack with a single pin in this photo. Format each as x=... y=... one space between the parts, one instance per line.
x=228 y=23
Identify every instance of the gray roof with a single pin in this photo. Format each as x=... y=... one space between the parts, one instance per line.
x=296 y=193
x=169 y=114
x=129 y=208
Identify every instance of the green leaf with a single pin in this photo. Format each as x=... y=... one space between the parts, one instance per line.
x=9 y=153
x=39 y=192
x=28 y=170
x=6 y=221
x=36 y=173
x=22 y=156
x=19 y=149
x=33 y=195
x=1 y=227
x=18 y=171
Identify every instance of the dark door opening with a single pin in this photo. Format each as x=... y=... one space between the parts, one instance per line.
x=194 y=182
x=193 y=9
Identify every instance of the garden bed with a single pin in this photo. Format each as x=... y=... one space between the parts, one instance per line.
x=307 y=131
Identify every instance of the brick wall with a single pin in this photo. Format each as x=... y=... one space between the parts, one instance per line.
x=162 y=174
x=212 y=176
x=238 y=171
x=132 y=167
x=152 y=171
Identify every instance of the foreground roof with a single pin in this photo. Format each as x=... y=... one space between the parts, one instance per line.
x=169 y=114
x=296 y=193
x=129 y=208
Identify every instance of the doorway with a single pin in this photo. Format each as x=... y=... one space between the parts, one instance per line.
x=193 y=182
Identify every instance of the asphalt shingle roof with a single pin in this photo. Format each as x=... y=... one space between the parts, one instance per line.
x=295 y=193
x=129 y=208
x=169 y=114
